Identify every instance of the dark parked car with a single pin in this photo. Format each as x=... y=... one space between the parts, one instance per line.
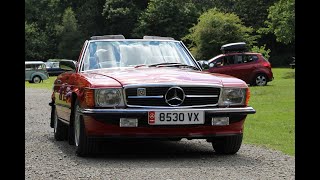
x=53 y=68
x=251 y=67
x=145 y=88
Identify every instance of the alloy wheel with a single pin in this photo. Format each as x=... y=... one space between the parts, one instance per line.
x=261 y=80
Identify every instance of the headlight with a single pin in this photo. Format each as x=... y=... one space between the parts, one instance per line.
x=108 y=97
x=232 y=96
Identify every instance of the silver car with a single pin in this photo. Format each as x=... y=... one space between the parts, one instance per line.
x=35 y=71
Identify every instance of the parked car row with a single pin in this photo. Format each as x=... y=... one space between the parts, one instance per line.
x=37 y=71
x=251 y=67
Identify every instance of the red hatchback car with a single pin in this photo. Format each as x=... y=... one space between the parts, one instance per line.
x=251 y=67
x=145 y=88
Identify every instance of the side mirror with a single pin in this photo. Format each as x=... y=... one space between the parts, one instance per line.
x=204 y=64
x=68 y=65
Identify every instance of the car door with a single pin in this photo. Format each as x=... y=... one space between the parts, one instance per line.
x=29 y=68
x=244 y=67
x=220 y=65
x=63 y=90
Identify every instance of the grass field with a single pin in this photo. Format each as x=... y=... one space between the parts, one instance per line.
x=48 y=83
x=273 y=125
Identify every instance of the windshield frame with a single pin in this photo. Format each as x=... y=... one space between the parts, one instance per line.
x=179 y=44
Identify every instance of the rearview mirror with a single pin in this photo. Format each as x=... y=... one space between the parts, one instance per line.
x=68 y=65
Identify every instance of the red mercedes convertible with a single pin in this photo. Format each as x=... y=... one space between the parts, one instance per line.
x=150 y=88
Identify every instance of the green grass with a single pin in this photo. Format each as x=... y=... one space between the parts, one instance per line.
x=273 y=125
x=47 y=84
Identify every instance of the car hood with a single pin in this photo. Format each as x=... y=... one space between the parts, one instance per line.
x=165 y=75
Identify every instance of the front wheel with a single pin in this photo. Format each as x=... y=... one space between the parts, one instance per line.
x=227 y=144
x=260 y=80
x=83 y=144
x=36 y=79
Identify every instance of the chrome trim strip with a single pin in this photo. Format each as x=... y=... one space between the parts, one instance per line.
x=177 y=107
x=145 y=97
x=190 y=55
x=172 y=84
x=64 y=121
x=197 y=96
x=82 y=56
x=246 y=110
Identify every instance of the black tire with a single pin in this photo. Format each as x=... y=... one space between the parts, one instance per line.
x=36 y=79
x=260 y=80
x=30 y=81
x=227 y=144
x=60 y=129
x=53 y=108
x=84 y=145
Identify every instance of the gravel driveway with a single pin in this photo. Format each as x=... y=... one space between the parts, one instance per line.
x=46 y=158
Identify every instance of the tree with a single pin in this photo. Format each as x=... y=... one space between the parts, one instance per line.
x=91 y=22
x=167 y=18
x=121 y=15
x=35 y=42
x=281 y=21
x=41 y=38
x=69 y=36
x=215 y=29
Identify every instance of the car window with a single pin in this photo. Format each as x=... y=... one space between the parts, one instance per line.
x=39 y=66
x=55 y=65
x=245 y=58
x=228 y=60
x=29 y=67
x=254 y=57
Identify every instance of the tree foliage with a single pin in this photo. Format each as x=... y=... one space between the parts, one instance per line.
x=122 y=15
x=281 y=21
x=46 y=35
x=215 y=29
x=70 y=39
x=41 y=17
x=262 y=49
x=167 y=18
x=35 y=42
x=90 y=19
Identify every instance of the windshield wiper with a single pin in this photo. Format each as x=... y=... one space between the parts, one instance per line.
x=173 y=65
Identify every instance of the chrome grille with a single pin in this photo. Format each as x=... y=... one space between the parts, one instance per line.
x=155 y=96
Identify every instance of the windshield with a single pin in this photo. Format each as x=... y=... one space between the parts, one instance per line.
x=110 y=54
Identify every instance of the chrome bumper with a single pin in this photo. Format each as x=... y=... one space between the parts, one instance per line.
x=244 y=110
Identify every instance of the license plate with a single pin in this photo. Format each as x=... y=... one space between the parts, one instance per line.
x=175 y=117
